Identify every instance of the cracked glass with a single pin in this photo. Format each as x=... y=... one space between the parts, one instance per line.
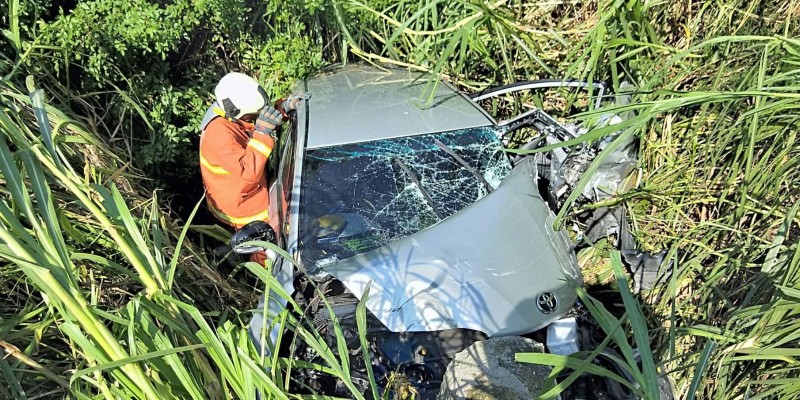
x=358 y=197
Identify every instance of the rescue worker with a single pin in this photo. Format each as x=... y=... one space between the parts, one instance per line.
x=238 y=135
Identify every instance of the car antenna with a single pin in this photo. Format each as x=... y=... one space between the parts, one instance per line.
x=463 y=163
x=416 y=181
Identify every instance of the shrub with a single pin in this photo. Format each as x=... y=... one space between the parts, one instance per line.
x=150 y=67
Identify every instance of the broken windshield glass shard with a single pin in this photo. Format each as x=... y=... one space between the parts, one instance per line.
x=394 y=203
x=464 y=164
x=422 y=190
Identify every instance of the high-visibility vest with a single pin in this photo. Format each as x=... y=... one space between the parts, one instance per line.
x=233 y=163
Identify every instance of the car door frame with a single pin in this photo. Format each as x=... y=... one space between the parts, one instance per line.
x=300 y=125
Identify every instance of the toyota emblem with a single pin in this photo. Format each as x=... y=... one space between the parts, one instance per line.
x=547 y=302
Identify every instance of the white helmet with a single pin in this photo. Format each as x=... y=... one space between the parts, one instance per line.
x=238 y=94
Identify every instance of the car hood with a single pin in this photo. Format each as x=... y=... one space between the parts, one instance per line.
x=484 y=268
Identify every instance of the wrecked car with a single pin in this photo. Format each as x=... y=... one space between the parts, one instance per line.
x=390 y=184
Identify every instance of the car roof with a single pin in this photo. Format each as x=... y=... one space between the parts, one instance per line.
x=359 y=103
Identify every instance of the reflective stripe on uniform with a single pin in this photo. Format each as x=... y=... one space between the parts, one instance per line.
x=215 y=169
x=262 y=216
x=259 y=147
x=211 y=113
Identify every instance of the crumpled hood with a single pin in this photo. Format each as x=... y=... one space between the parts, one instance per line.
x=483 y=268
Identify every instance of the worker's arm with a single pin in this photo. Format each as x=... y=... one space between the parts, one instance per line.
x=254 y=161
x=249 y=162
x=225 y=154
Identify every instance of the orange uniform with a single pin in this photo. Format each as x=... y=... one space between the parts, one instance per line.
x=233 y=162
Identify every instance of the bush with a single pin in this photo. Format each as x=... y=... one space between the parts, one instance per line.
x=150 y=67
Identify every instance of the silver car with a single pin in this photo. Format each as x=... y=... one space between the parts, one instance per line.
x=389 y=182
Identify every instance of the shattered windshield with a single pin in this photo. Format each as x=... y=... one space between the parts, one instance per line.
x=358 y=197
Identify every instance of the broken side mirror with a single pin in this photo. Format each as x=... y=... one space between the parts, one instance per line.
x=254 y=231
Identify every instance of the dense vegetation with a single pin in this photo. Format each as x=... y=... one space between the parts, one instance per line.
x=108 y=296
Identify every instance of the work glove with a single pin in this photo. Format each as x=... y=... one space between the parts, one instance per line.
x=268 y=120
x=290 y=103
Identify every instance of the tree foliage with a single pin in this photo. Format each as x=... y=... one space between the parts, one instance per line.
x=144 y=71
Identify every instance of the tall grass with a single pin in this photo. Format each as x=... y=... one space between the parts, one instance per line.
x=716 y=99
x=474 y=41
x=155 y=341
x=720 y=191
x=718 y=129
x=98 y=305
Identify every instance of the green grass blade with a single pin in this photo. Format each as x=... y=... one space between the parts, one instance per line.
x=262 y=376
x=613 y=328
x=176 y=256
x=700 y=369
x=128 y=360
x=13 y=14
x=11 y=380
x=361 y=322
x=639 y=325
x=44 y=202
x=561 y=362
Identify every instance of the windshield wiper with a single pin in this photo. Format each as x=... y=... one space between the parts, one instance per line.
x=416 y=181
x=464 y=164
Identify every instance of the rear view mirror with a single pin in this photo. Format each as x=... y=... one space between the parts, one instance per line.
x=331 y=228
x=256 y=230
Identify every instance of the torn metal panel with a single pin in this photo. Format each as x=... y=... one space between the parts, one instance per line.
x=645 y=267
x=484 y=268
x=604 y=222
x=567 y=166
x=609 y=179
